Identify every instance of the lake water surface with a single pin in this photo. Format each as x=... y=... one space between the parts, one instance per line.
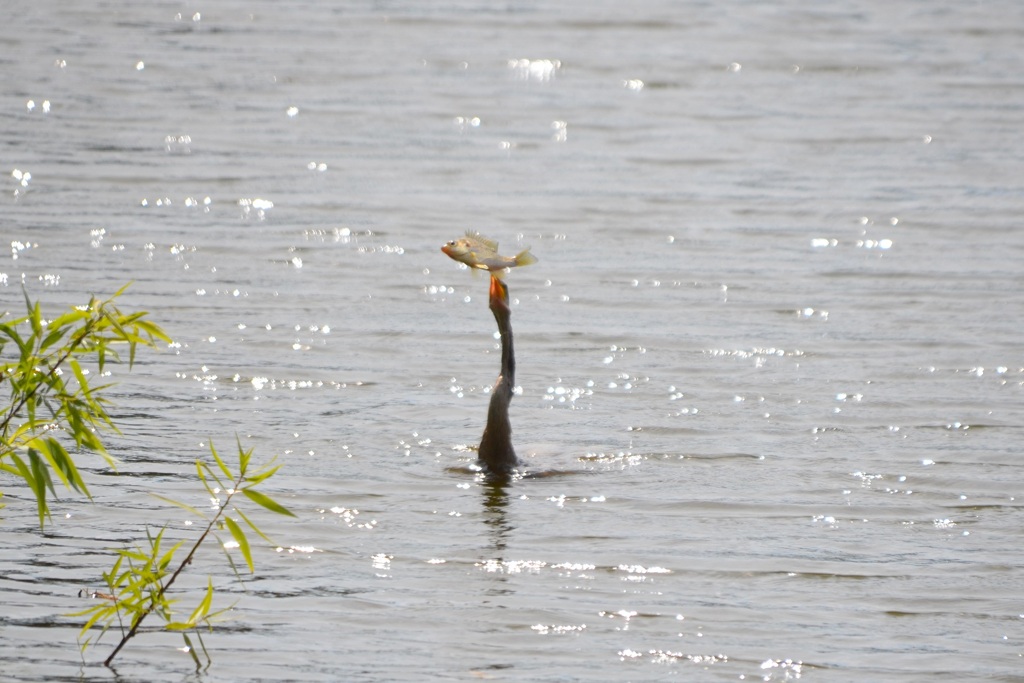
x=773 y=339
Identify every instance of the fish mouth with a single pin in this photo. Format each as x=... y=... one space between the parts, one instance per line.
x=447 y=250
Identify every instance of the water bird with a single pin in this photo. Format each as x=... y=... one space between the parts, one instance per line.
x=496 y=453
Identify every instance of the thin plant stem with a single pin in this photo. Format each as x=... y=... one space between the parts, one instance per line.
x=164 y=587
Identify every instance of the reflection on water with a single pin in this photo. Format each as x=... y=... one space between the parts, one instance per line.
x=775 y=322
x=495 y=504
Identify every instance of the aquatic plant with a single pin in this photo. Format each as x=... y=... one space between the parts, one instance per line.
x=137 y=584
x=52 y=407
x=46 y=407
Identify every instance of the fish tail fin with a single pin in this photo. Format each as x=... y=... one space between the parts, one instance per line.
x=525 y=258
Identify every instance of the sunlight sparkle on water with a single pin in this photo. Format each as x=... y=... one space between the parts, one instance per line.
x=464 y=123
x=785 y=669
x=561 y=129
x=555 y=629
x=640 y=569
x=301 y=549
x=512 y=566
x=255 y=206
x=382 y=562
x=22 y=178
x=31 y=106
x=575 y=566
x=570 y=395
x=17 y=246
x=538 y=70
x=181 y=144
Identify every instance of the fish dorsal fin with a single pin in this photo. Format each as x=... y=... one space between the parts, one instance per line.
x=486 y=241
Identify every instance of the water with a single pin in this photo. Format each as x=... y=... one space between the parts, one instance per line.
x=773 y=336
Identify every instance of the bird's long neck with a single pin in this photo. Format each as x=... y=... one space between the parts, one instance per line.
x=496 y=451
x=508 y=357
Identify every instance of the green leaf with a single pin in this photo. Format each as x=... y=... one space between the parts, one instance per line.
x=153 y=331
x=267 y=502
x=178 y=503
x=243 y=542
x=220 y=463
x=252 y=526
x=10 y=330
x=201 y=610
x=243 y=457
x=262 y=476
x=192 y=651
x=99 y=612
x=35 y=484
x=199 y=614
x=164 y=561
x=36 y=319
x=39 y=469
x=56 y=334
x=62 y=464
x=154 y=542
x=76 y=367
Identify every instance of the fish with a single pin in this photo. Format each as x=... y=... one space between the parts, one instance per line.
x=477 y=251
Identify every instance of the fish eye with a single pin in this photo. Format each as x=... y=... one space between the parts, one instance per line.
x=451 y=243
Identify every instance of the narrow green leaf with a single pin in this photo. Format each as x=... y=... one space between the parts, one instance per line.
x=56 y=333
x=203 y=608
x=108 y=576
x=154 y=542
x=167 y=558
x=153 y=330
x=243 y=457
x=230 y=559
x=10 y=469
x=192 y=651
x=100 y=612
x=36 y=486
x=252 y=526
x=36 y=319
x=114 y=319
x=243 y=542
x=261 y=476
x=76 y=367
x=136 y=555
x=63 y=465
x=178 y=503
x=204 y=471
x=68 y=319
x=11 y=331
x=220 y=463
x=266 y=501
x=40 y=471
